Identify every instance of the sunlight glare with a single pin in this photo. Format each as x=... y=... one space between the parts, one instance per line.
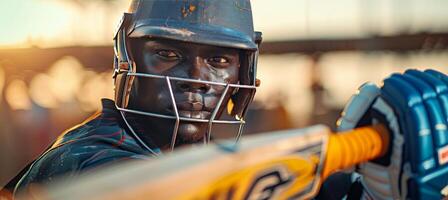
x=40 y=91
x=2 y=82
x=35 y=22
x=17 y=95
x=66 y=76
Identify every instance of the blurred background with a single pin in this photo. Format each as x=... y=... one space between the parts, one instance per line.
x=56 y=61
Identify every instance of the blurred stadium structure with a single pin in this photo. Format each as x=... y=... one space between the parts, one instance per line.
x=56 y=61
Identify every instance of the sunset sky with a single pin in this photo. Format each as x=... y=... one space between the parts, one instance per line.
x=87 y=22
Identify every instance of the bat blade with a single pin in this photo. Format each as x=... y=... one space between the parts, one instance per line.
x=276 y=165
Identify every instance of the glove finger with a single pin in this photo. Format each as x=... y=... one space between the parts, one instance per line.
x=442 y=93
x=438 y=75
x=435 y=111
x=434 y=78
x=435 y=96
x=440 y=82
x=414 y=121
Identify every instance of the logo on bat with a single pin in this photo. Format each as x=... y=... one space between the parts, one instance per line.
x=268 y=184
x=285 y=177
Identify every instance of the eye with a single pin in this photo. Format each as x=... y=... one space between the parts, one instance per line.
x=168 y=54
x=219 y=60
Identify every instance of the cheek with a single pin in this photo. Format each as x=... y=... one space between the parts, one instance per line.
x=152 y=65
x=150 y=94
x=224 y=76
x=234 y=75
x=228 y=75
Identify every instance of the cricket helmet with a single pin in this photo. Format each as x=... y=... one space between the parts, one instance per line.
x=222 y=23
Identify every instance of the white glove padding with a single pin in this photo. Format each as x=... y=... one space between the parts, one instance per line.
x=379 y=181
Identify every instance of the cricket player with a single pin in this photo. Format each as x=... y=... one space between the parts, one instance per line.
x=181 y=65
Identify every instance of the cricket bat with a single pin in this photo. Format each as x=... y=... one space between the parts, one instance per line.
x=288 y=164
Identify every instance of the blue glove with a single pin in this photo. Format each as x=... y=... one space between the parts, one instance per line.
x=414 y=106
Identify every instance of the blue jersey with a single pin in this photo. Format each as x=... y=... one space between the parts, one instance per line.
x=101 y=139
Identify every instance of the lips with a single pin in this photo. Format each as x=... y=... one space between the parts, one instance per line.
x=194 y=114
x=195 y=110
x=191 y=105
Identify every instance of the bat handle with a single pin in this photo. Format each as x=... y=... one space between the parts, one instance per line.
x=353 y=147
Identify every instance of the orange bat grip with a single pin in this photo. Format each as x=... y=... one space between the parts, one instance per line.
x=356 y=146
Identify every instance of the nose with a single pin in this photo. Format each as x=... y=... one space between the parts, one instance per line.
x=197 y=70
x=187 y=86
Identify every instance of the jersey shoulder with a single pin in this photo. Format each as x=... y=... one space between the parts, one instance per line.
x=98 y=141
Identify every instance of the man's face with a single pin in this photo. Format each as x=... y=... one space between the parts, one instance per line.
x=193 y=100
